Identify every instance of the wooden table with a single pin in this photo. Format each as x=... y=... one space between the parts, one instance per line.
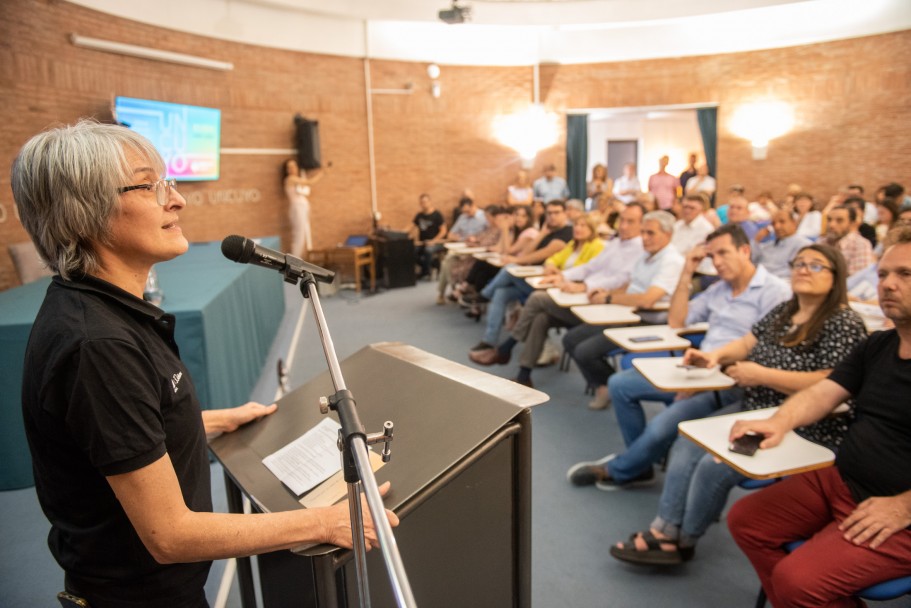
x=668 y=338
x=606 y=314
x=793 y=455
x=353 y=258
x=665 y=374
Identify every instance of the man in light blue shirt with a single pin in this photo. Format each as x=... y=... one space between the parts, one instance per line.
x=550 y=187
x=776 y=254
x=471 y=222
x=739 y=214
x=745 y=294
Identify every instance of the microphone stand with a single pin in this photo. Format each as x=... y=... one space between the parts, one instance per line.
x=353 y=442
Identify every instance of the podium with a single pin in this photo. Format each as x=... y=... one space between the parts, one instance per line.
x=395 y=260
x=461 y=484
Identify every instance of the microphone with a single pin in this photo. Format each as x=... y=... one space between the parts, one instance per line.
x=244 y=251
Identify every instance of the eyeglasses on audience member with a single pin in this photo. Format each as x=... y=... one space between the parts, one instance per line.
x=161 y=188
x=814 y=267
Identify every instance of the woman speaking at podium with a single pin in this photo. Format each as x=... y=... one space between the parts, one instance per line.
x=117 y=437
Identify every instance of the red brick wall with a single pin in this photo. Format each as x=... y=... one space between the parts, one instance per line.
x=852 y=100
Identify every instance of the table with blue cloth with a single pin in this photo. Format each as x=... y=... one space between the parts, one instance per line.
x=227 y=317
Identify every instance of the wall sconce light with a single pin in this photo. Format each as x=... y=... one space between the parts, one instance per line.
x=762 y=122
x=433 y=70
x=527 y=132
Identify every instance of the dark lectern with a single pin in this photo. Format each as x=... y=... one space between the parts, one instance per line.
x=395 y=259
x=461 y=483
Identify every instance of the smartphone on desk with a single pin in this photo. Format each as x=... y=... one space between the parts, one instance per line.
x=638 y=339
x=746 y=444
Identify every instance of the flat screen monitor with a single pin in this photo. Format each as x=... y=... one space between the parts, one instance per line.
x=187 y=137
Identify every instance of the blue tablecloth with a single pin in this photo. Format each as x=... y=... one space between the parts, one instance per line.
x=227 y=317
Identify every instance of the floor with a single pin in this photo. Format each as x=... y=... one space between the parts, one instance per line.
x=572 y=527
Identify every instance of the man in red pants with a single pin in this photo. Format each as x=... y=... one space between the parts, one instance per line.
x=855 y=515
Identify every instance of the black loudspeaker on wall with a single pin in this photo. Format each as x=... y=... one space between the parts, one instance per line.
x=307 y=139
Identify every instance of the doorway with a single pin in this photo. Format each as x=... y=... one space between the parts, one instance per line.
x=619 y=153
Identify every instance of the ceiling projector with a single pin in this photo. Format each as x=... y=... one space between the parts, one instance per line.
x=455 y=14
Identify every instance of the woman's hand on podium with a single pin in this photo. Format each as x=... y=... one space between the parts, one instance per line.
x=337 y=523
x=229 y=420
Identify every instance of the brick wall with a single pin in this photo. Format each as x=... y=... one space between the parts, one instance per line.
x=852 y=100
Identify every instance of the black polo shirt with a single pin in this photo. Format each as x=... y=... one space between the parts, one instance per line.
x=104 y=392
x=564 y=234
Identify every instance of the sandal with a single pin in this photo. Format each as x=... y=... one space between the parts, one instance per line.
x=653 y=555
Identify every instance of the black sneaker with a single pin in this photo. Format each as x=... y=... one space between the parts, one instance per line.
x=588 y=473
x=642 y=480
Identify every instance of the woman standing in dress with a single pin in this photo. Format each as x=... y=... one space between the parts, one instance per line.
x=520 y=193
x=297 y=188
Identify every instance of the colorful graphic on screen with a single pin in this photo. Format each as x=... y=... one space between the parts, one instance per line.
x=187 y=137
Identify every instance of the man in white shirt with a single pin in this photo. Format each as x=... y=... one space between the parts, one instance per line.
x=550 y=186
x=610 y=269
x=653 y=280
x=692 y=227
x=627 y=187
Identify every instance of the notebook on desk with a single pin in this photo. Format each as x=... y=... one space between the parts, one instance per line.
x=356 y=240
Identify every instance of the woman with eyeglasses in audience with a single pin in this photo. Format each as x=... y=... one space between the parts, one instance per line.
x=791 y=348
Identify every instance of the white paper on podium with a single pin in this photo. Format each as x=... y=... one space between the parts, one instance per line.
x=308 y=460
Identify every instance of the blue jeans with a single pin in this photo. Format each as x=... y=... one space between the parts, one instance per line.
x=696 y=489
x=501 y=290
x=646 y=444
x=589 y=348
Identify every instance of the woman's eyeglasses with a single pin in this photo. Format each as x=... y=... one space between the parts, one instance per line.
x=161 y=188
x=814 y=267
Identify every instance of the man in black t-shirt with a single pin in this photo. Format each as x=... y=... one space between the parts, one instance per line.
x=856 y=514
x=428 y=229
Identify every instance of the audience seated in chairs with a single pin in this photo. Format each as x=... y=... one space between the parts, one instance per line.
x=791 y=348
x=745 y=294
x=652 y=279
x=504 y=288
x=518 y=236
x=856 y=514
x=584 y=246
x=455 y=267
x=609 y=270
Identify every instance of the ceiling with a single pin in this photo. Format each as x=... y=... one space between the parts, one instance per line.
x=521 y=12
x=512 y=32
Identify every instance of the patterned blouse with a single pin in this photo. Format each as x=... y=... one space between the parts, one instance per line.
x=840 y=333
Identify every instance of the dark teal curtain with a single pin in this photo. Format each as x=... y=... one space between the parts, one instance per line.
x=708 y=127
x=576 y=153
